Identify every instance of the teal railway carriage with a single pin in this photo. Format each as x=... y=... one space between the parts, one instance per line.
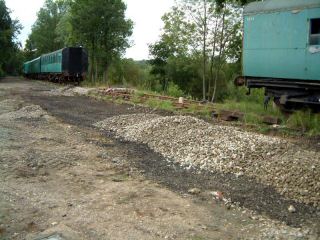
x=281 y=50
x=52 y=62
x=32 y=66
x=64 y=65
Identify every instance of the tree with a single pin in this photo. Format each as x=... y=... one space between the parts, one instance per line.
x=178 y=34
x=161 y=53
x=199 y=14
x=101 y=26
x=226 y=40
x=200 y=40
x=64 y=29
x=44 y=37
x=242 y=2
x=176 y=42
x=9 y=47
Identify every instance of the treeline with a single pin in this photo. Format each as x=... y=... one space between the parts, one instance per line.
x=100 y=26
x=10 y=53
x=200 y=48
x=197 y=54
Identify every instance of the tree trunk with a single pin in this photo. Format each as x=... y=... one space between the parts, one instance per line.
x=106 y=77
x=92 y=68
x=92 y=60
x=212 y=56
x=96 y=70
x=221 y=49
x=204 y=49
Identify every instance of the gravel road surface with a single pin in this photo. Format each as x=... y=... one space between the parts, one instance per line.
x=135 y=176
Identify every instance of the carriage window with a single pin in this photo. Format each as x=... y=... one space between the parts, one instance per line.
x=315 y=31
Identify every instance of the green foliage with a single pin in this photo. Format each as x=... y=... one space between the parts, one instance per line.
x=164 y=105
x=178 y=56
x=305 y=121
x=64 y=30
x=251 y=105
x=1 y=72
x=44 y=37
x=9 y=48
x=242 y=2
x=130 y=73
x=174 y=90
x=161 y=52
x=101 y=27
x=240 y=94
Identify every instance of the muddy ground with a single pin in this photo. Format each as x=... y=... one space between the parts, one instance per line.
x=59 y=175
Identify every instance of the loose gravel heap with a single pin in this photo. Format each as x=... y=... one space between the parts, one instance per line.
x=122 y=121
x=7 y=105
x=70 y=91
x=194 y=143
x=28 y=112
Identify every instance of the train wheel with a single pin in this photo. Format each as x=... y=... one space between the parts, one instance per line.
x=284 y=108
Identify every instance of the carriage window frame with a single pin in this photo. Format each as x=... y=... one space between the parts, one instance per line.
x=314 y=35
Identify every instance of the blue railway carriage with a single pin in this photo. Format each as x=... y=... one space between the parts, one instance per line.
x=64 y=65
x=281 y=51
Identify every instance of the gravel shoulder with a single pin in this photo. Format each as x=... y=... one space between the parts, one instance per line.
x=59 y=174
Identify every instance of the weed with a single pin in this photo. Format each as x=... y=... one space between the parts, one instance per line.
x=305 y=121
x=174 y=90
x=159 y=104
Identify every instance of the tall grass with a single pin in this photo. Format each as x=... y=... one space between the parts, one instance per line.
x=305 y=121
x=251 y=105
x=164 y=105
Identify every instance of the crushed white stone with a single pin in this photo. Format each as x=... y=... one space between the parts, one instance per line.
x=69 y=91
x=194 y=143
x=27 y=112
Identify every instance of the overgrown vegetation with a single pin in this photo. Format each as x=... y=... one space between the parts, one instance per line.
x=10 y=53
x=306 y=122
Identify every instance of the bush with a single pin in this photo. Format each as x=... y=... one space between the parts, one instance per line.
x=239 y=94
x=164 y=105
x=174 y=90
x=1 y=73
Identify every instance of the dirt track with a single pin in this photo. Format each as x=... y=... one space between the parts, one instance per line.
x=60 y=175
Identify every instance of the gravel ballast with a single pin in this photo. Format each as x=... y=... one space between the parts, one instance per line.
x=193 y=143
x=70 y=91
x=27 y=112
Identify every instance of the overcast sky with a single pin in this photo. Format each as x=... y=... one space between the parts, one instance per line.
x=146 y=15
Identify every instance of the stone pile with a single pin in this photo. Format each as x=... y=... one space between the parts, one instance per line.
x=70 y=91
x=27 y=112
x=194 y=143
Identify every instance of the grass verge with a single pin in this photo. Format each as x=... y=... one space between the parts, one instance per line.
x=296 y=124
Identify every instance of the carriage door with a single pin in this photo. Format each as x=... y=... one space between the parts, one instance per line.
x=313 y=48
